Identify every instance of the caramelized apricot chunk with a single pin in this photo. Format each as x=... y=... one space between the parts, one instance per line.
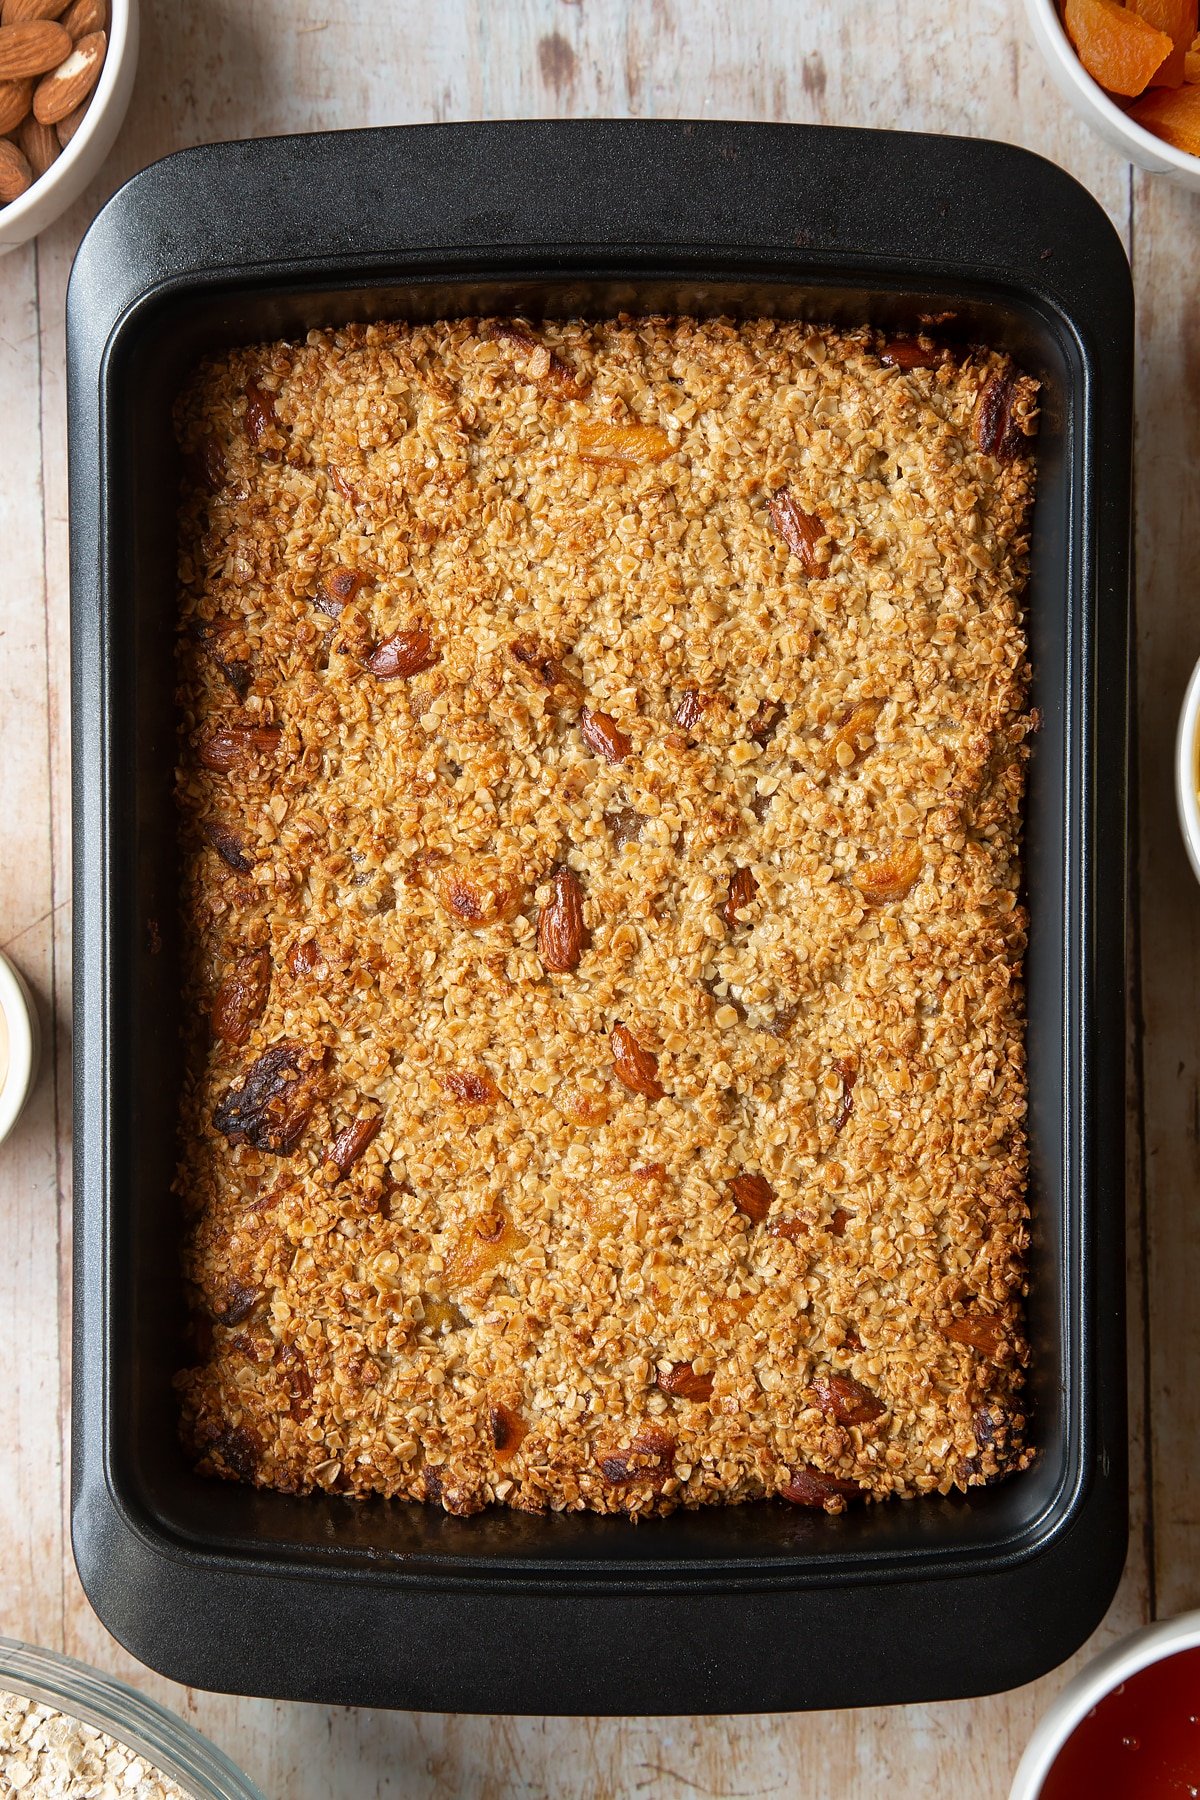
x=507 y=1429
x=273 y=1102
x=471 y=1087
x=890 y=877
x=488 y=1239
x=624 y=446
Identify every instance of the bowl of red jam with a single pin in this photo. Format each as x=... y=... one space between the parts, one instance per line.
x=1127 y=1727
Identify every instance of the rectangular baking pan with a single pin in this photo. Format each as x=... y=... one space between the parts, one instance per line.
x=746 y=1608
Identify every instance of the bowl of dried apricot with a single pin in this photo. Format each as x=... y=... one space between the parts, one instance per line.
x=1132 y=69
x=66 y=74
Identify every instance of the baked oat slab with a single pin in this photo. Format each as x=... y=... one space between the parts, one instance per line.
x=600 y=788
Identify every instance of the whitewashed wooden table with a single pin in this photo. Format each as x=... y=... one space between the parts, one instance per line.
x=223 y=70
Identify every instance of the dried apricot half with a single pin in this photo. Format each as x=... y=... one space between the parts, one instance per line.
x=1117 y=48
x=1172 y=114
x=1178 y=19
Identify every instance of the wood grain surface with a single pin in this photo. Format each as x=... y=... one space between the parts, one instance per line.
x=227 y=70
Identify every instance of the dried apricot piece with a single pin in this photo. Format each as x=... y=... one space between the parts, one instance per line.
x=889 y=877
x=1172 y=114
x=485 y=1241
x=1178 y=19
x=507 y=1428
x=623 y=446
x=1116 y=47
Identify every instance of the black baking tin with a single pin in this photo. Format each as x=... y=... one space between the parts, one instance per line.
x=744 y=1608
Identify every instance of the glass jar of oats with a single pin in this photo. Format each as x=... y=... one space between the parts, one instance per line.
x=68 y=1732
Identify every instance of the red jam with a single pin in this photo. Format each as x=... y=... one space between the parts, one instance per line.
x=1141 y=1742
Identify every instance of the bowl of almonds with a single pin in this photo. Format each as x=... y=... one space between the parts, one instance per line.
x=66 y=73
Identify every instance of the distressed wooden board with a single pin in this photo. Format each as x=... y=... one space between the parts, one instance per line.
x=1168 y=551
x=31 y=1470
x=226 y=70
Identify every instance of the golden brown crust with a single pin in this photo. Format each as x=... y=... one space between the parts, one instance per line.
x=491 y=1297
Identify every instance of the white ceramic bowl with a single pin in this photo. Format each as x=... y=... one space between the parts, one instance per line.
x=19 y=1045
x=66 y=178
x=1187 y=767
x=1093 y=104
x=1089 y=1687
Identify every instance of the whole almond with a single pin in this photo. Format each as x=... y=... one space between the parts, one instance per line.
x=40 y=144
x=560 y=928
x=20 y=12
x=66 y=128
x=67 y=85
x=404 y=654
x=16 y=97
x=15 y=173
x=83 y=17
x=31 y=49
x=633 y=1065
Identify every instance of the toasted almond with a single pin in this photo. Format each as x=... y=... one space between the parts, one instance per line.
x=682 y=1382
x=471 y=1087
x=66 y=128
x=604 y=736
x=560 y=929
x=15 y=172
x=633 y=1065
x=742 y=889
x=40 y=144
x=82 y=17
x=21 y=12
x=752 y=1194
x=239 y=747
x=31 y=49
x=16 y=97
x=71 y=80
x=404 y=654
x=801 y=531
x=846 y=1401
x=807 y=1486
x=239 y=1001
x=352 y=1140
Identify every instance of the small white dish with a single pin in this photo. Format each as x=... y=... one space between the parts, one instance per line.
x=1104 y=1673
x=1187 y=768
x=19 y=1045
x=1093 y=104
x=66 y=178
